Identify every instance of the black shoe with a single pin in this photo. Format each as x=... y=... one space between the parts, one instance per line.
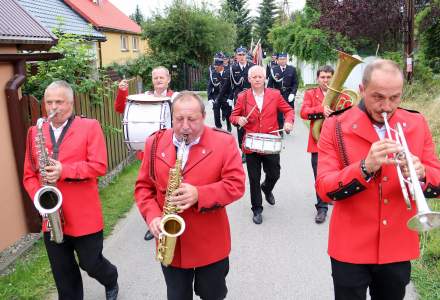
x=148 y=236
x=269 y=196
x=257 y=218
x=243 y=158
x=320 y=216
x=229 y=127
x=112 y=293
x=223 y=118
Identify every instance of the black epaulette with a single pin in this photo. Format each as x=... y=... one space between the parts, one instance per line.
x=338 y=112
x=221 y=130
x=410 y=110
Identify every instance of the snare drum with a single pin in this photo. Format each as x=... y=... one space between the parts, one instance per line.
x=143 y=115
x=263 y=143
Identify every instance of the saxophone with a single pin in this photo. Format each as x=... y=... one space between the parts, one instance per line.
x=48 y=198
x=171 y=225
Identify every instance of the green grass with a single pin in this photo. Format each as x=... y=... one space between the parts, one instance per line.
x=425 y=98
x=30 y=277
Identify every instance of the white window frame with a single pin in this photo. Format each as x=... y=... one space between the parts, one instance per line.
x=124 y=43
x=135 y=43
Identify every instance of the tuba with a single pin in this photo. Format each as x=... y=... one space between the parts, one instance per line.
x=48 y=198
x=425 y=219
x=171 y=225
x=345 y=65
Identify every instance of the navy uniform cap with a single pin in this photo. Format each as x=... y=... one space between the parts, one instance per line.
x=241 y=49
x=274 y=55
x=282 y=54
x=218 y=62
x=219 y=55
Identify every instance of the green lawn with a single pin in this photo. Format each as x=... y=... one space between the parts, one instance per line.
x=30 y=276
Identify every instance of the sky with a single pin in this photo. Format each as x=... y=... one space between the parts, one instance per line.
x=148 y=7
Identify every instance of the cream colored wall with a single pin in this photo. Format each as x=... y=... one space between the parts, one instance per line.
x=111 y=49
x=12 y=217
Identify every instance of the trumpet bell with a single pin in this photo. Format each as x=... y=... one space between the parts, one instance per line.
x=425 y=221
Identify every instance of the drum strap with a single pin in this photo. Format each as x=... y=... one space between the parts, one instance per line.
x=343 y=156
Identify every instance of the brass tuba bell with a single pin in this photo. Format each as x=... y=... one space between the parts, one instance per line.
x=345 y=65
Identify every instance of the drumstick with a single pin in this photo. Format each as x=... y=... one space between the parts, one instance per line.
x=249 y=114
x=278 y=130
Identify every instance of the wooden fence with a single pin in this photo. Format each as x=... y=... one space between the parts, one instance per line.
x=111 y=122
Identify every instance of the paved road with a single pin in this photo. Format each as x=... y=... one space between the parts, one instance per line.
x=284 y=258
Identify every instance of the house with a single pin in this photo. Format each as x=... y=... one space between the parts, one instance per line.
x=19 y=31
x=123 y=35
x=55 y=15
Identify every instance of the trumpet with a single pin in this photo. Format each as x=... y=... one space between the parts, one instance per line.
x=425 y=219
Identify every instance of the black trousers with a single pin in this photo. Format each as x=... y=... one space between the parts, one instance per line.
x=240 y=136
x=271 y=166
x=209 y=281
x=320 y=205
x=225 y=110
x=280 y=115
x=386 y=282
x=65 y=268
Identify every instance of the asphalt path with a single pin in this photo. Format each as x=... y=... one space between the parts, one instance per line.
x=283 y=258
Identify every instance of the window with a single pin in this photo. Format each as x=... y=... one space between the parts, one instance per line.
x=135 y=43
x=124 y=43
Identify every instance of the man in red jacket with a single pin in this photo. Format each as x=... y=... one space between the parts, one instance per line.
x=312 y=109
x=213 y=177
x=161 y=79
x=262 y=104
x=370 y=244
x=79 y=157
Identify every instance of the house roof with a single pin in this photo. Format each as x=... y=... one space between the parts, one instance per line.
x=104 y=15
x=55 y=14
x=19 y=27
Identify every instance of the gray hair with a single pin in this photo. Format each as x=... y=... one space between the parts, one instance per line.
x=161 y=68
x=188 y=95
x=63 y=85
x=380 y=64
x=255 y=68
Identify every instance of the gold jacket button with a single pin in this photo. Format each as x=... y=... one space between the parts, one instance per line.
x=385 y=178
x=385 y=201
x=384 y=222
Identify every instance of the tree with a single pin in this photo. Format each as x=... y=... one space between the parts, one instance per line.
x=428 y=28
x=308 y=43
x=188 y=34
x=367 y=23
x=236 y=12
x=137 y=16
x=265 y=22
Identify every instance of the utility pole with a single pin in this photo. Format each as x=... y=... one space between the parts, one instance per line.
x=408 y=38
x=286 y=12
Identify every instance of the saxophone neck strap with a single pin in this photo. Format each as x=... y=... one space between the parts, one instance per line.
x=56 y=143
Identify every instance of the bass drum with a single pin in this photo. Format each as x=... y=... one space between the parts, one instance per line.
x=144 y=116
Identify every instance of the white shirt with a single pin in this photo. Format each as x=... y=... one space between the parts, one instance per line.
x=242 y=66
x=381 y=131
x=186 y=152
x=259 y=100
x=57 y=131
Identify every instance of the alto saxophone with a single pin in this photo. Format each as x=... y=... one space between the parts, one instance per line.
x=172 y=225
x=48 y=198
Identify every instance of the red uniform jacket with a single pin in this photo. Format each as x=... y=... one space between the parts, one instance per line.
x=266 y=120
x=214 y=168
x=312 y=110
x=368 y=223
x=121 y=100
x=83 y=156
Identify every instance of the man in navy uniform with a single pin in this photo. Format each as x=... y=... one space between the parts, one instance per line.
x=283 y=78
x=219 y=89
x=226 y=58
x=239 y=83
x=270 y=66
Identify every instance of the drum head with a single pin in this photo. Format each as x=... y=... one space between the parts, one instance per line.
x=146 y=98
